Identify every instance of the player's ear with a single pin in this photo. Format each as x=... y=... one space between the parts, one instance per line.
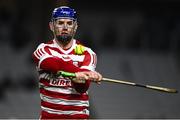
x=51 y=26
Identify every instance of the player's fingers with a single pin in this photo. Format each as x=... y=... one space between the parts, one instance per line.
x=82 y=75
x=93 y=76
x=86 y=77
x=99 y=76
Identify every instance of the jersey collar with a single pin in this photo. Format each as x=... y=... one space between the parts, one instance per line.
x=68 y=50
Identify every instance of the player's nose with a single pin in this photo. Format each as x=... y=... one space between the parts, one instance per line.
x=65 y=26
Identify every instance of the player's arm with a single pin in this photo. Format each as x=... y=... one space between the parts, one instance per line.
x=46 y=61
x=89 y=64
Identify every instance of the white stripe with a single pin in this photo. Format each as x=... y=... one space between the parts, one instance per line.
x=90 y=52
x=41 y=52
x=91 y=59
x=42 y=75
x=41 y=84
x=45 y=76
x=62 y=90
x=36 y=55
x=77 y=57
x=73 y=57
x=41 y=46
x=64 y=101
x=55 y=53
x=91 y=68
x=43 y=58
x=85 y=111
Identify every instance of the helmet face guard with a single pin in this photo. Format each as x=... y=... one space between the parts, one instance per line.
x=64 y=12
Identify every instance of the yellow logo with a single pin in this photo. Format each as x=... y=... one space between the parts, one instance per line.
x=79 y=49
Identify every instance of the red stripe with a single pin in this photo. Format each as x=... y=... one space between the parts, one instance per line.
x=46 y=115
x=42 y=51
x=39 y=52
x=87 y=59
x=53 y=48
x=63 y=107
x=46 y=49
x=44 y=81
x=64 y=96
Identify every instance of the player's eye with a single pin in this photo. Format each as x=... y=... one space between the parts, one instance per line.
x=70 y=23
x=60 y=23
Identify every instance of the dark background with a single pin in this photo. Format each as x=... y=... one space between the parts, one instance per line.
x=135 y=40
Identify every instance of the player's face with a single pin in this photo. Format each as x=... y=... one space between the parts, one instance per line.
x=64 y=30
x=63 y=26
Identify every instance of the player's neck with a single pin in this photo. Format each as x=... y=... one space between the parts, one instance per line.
x=67 y=46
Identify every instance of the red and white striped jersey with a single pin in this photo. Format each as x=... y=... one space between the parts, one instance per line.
x=61 y=97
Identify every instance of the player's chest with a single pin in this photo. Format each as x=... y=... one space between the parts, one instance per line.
x=76 y=59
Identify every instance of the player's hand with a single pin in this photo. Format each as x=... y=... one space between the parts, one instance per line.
x=89 y=75
x=95 y=76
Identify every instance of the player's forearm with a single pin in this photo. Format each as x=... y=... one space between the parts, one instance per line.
x=80 y=80
x=82 y=87
x=54 y=64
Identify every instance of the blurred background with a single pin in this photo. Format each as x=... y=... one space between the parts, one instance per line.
x=135 y=40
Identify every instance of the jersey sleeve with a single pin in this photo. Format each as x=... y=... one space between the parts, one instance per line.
x=90 y=60
x=44 y=60
x=39 y=54
x=88 y=64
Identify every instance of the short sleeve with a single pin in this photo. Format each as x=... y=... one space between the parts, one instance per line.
x=90 y=60
x=40 y=54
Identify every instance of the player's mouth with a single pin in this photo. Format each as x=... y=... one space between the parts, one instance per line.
x=64 y=33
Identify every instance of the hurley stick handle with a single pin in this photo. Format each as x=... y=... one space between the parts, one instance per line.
x=66 y=74
x=70 y=75
x=169 y=90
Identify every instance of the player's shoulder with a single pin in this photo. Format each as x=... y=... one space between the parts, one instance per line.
x=87 y=49
x=42 y=45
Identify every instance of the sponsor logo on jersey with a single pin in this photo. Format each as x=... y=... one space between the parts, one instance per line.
x=60 y=82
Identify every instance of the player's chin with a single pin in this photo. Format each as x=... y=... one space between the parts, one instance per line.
x=64 y=39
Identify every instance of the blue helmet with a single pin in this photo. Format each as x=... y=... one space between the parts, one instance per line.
x=64 y=12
